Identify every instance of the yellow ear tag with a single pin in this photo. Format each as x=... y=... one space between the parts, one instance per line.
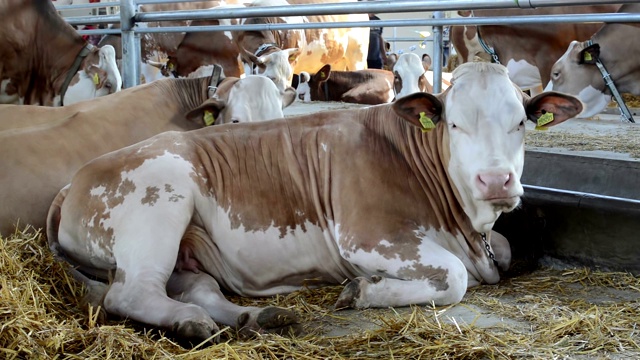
x=544 y=120
x=208 y=118
x=322 y=75
x=587 y=56
x=96 y=79
x=427 y=123
x=170 y=67
x=292 y=58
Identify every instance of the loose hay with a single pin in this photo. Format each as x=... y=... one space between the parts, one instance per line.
x=622 y=142
x=575 y=313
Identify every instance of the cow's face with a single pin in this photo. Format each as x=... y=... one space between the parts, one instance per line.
x=409 y=75
x=574 y=73
x=254 y=98
x=303 y=90
x=483 y=136
x=277 y=66
x=95 y=79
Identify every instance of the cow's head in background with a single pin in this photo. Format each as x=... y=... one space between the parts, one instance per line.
x=409 y=75
x=98 y=76
x=276 y=64
x=253 y=98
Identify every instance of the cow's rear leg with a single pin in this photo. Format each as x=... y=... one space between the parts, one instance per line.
x=203 y=290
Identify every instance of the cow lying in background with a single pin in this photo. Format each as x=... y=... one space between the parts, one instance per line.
x=44 y=61
x=398 y=198
x=371 y=86
x=527 y=50
x=38 y=160
x=576 y=72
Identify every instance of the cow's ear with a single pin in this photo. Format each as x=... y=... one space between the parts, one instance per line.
x=552 y=108
x=589 y=55
x=97 y=75
x=292 y=54
x=323 y=74
x=420 y=109
x=207 y=113
x=288 y=97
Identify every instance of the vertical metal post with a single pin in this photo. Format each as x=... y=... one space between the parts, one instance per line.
x=437 y=53
x=130 y=56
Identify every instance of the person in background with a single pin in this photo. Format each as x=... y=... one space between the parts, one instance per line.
x=376 y=56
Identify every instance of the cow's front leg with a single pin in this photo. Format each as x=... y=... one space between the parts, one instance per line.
x=434 y=276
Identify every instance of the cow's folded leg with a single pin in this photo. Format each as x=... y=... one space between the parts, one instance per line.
x=143 y=298
x=203 y=290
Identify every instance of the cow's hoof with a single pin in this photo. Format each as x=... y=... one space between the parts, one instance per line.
x=351 y=294
x=196 y=331
x=273 y=320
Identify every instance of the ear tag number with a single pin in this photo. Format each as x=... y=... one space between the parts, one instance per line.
x=544 y=120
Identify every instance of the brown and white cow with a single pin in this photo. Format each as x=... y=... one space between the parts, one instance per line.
x=370 y=195
x=279 y=54
x=370 y=86
x=38 y=160
x=409 y=75
x=576 y=72
x=44 y=61
x=528 y=50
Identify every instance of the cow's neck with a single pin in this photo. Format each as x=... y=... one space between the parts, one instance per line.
x=185 y=94
x=621 y=63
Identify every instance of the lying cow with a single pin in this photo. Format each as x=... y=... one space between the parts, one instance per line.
x=576 y=71
x=38 y=160
x=528 y=50
x=399 y=198
x=44 y=61
x=371 y=86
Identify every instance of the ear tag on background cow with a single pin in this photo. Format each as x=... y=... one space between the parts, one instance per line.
x=322 y=75
x=544 y=120
x=208 y=118
x=170 y=67
x=292 y=58
x=427 y=123
x=587 y=56
x=96 y=79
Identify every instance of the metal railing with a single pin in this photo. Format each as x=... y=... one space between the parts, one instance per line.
x=130 y=17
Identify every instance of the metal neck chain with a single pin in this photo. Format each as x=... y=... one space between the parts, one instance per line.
x=488 y=248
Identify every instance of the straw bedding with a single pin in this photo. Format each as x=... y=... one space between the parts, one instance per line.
x=545 y=314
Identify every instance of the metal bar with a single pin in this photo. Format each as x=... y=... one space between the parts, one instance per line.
x=580 y=199
x=99 y=19
x=130 y=76
x=400 y=23
x=348 y=8
x=438 y=53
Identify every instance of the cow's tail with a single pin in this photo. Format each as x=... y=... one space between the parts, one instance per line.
x=96 y=290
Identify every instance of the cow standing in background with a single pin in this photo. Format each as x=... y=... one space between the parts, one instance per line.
x=576 y=72
x=278 y=54
x=44 y=61
x=38 y=160
x=528 y=50
x=399 y=198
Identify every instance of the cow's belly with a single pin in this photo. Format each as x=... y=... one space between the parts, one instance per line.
x=273 y=260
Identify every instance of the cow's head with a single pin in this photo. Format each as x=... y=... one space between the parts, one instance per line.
x=483 y=117
x=576 y=73
x=276 y=65
x=98 y=76
x=254 y=98
x=409 y=75
x=303 y=89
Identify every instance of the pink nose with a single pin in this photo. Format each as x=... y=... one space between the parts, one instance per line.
x=494 y=186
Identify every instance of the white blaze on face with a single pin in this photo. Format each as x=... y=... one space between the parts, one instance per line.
x=409 y=68
x=580 y=80
x=304 y=91
x=254 y=98
x=485 y=118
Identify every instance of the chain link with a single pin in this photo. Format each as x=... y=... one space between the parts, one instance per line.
x=488 y=248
